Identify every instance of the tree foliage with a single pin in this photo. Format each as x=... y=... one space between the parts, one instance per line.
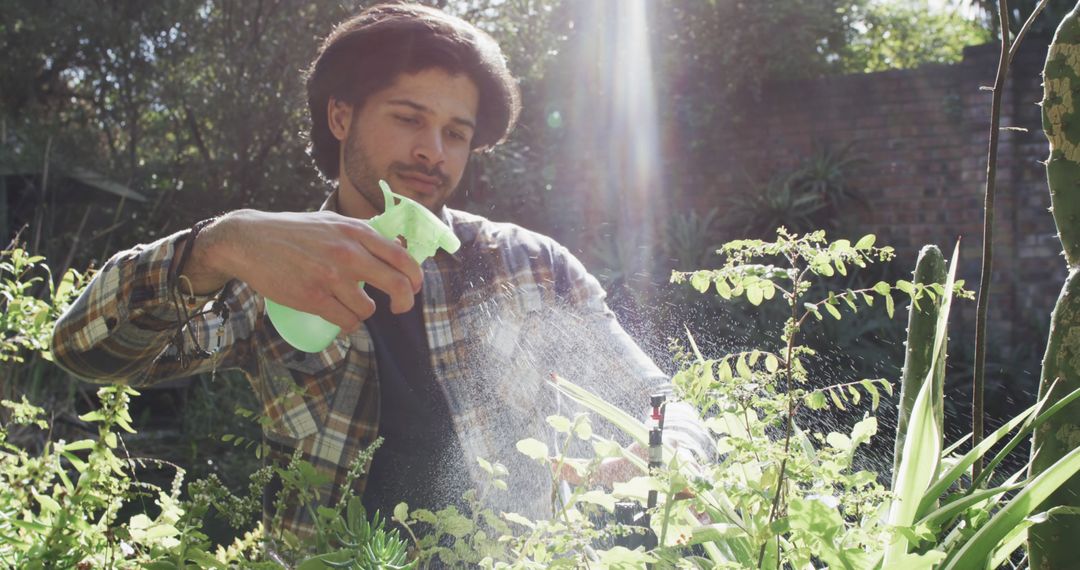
x=900 y=35
x=200 y=106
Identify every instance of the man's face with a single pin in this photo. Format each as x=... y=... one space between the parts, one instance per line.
x=415 y=134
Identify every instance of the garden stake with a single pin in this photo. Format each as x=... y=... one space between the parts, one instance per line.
x=631 y=513
x=922 y=323
x=1052 y=544
x=656 y=442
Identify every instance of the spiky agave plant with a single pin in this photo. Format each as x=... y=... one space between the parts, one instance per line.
x=1053 y=543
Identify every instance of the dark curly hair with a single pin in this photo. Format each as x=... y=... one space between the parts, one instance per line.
x=367 y=52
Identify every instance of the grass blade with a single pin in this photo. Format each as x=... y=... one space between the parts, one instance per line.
x=629 y=425
x=1027 y=429
x=978 y=549
x=946 y=479
x=937 y=518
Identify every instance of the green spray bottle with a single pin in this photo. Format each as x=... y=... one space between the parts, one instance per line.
x=424 y=234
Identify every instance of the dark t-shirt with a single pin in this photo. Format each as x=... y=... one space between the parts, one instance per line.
x=421 y=461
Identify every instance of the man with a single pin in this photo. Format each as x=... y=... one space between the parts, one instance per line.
x=447 y=361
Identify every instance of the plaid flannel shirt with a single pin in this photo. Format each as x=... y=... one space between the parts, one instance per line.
x=501 y=314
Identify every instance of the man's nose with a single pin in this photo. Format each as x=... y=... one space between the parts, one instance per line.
x=429 y=148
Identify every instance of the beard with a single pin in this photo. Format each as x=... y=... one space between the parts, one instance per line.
x=362 y=175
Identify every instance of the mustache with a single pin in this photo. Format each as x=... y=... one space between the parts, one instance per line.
x=416 y=168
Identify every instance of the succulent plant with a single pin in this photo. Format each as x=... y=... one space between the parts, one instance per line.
x=922 y=322
x=1052 y=544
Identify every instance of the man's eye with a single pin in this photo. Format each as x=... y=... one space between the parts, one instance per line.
x=407 y=120
x=457 y=135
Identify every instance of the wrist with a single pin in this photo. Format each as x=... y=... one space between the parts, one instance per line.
x=205 y=268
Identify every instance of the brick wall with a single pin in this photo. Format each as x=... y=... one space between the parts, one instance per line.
x=924 y=136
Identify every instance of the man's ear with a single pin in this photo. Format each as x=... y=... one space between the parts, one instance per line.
x=339 y=117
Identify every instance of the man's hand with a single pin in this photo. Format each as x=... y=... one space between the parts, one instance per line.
x=616 y=470
x=312 y=262
x=610 y=471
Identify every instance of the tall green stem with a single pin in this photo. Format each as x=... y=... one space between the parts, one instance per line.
x=983 y=303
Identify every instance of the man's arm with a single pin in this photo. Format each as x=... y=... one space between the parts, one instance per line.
x=129 y=313
x=623 y=371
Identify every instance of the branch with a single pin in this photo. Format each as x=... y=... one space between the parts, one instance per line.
x=978 y=382
x=1024 y=29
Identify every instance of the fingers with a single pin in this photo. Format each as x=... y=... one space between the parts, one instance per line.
x=356 y=304
x=385 y=278
x=333 y=310
x=610 y=471
x=392 y=254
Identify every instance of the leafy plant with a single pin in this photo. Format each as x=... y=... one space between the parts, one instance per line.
x=778 y=494
x=83 y=503
x=815 y=194
x=26 y=321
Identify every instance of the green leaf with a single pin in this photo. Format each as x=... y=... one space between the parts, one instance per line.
x=722 y=288
x=771 y=363
x=561 y=424
x=518 y=519
x=723 y=372
x=882 y=288
x=598 y=497
x=80 y=445
x=866 y=242
x=583 y=429
x=94 y=416
x=855 y=395
x=605 y=448
x=533 y=448
x=815 y=400
x=836 y=399
x=754 y=294
x=890 y=305
x=485 y=465
x=768 y=288
x=742 y=368
x=875 y=396
x=700 y=280
x=401 y=512
x=48 y=504
x=622 y=557
x=833 y=311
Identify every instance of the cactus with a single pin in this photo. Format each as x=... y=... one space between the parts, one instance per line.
x=1052 y=545
x=922 y=322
